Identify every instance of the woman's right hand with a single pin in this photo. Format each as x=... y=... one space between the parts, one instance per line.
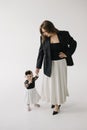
x=37 y=71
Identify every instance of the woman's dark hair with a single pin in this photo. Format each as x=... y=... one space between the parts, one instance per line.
x=49 y=27
x=28 y=72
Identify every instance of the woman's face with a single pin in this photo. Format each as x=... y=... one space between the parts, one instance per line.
x=45 y=33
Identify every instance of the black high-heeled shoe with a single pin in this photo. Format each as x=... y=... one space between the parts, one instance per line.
x=55 y=112
x=52 y=106
x=59 y=106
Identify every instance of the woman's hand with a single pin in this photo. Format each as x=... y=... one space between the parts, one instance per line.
x=37 y=71
x=62 y=55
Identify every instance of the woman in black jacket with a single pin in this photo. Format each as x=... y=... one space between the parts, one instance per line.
x=55 y=51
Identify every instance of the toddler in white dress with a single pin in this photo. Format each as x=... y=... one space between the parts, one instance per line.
x=32 y=95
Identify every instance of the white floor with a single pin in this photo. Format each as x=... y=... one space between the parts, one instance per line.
x=14 y=115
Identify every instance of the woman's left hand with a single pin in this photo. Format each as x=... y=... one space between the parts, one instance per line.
x=62 y=55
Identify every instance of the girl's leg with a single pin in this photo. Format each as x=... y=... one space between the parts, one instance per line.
x=36 y=105
x=29 y=108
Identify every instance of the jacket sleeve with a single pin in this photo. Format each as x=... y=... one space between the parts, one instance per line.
x=40 y=56
x=72 y=44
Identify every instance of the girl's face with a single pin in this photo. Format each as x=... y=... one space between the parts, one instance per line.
x=29 y=77
x=45 y=33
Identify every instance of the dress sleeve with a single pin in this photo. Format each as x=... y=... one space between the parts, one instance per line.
x=26 y=83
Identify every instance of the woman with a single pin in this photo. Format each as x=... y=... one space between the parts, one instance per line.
x=55 y=51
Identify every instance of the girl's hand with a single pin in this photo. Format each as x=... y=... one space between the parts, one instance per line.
x=30 y=81
x=26 y=85
x=62 y=55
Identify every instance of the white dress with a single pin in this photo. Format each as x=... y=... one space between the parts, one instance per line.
x=32 y=96
x=54 y=88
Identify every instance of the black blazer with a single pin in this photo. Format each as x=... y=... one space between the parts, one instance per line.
x=68 y=44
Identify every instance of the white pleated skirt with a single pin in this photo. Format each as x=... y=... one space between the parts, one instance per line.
x=32 y=96
x=54 y=88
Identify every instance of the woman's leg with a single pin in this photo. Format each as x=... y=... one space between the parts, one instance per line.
x=56 y=109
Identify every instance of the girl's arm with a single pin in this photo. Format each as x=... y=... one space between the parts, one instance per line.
x=36 y=77
x=27 y=84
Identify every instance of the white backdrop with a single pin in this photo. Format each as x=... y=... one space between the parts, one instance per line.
x=19 y=44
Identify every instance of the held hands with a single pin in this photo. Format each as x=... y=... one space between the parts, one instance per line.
x=62 y=55
x=37 y=71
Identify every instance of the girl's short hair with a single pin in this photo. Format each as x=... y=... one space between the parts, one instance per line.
x=28 y=72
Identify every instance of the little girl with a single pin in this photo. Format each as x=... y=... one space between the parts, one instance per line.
x=32 y=94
